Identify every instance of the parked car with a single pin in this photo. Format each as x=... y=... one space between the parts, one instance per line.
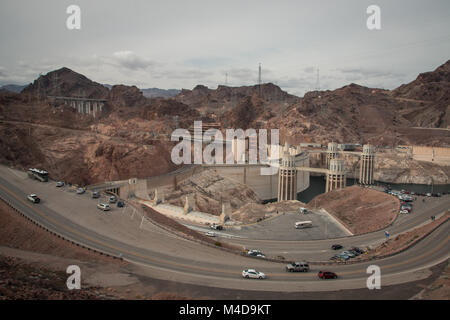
x=80 y=190
x=210 y=234
x=407 y=208
x=298 y=267
x=95 y=194
x=104 y=206
x=348 y=253
x=356 y=253
x=327 y=275
x=120 y=204
x=33 y=198
x=360 y=251
x=112 y=199
x=335 y=257
x=336 y=246
x=403 y=211
x=343 y=257
x=252 y=273
x=303 y=210
x=256 y=253
x=216 y=226
x=428 y=194
x=59 y=184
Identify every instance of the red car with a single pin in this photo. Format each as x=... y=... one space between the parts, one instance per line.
x=327 y=275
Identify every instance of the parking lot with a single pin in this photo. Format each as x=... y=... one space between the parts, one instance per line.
x=282 y=227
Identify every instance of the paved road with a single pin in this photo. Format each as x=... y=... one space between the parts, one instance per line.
x=168 y=257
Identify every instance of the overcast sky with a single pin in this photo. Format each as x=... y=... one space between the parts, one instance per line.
x=179 y=44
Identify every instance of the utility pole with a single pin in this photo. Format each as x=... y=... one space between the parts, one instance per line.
x=317 y=80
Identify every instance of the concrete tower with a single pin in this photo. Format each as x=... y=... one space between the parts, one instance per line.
x=331 y=152
x=287 y=178
x=367 y=164
x=336 y=175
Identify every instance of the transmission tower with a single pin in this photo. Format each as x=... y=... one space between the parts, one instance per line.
x=259 y=79
x=317 y=80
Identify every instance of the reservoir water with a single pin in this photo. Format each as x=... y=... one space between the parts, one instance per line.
x=317 y=186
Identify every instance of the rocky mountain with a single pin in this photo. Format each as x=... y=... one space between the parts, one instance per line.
x=430 y=95
x=13 y=88
x=65 y=82
x=225 y=98
x=135 y=130
x=355 y=113
x=160 y=93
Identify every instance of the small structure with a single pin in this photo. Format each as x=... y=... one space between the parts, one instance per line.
x=159 y=197
x=188 y=204
x=226 y=212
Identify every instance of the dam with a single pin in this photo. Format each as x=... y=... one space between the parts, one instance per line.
x=290 y=177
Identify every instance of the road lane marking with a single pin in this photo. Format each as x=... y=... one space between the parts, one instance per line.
x=146 y=258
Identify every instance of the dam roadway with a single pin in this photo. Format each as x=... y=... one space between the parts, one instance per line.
x=166 y=256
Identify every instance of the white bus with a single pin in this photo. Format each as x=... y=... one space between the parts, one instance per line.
x=303 y=224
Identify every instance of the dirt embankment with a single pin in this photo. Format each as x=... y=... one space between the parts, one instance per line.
x=439 y=289
x=17 y=232
x=33 y=262
x=361 y=210
x=404 y=240
x=209 y=190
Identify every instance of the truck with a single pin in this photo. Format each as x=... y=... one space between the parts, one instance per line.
x=297 y=267
x=303 y=224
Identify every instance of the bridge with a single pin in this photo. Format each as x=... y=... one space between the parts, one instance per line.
x=82 y=105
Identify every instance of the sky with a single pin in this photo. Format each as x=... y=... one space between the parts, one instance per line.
x=301 y=45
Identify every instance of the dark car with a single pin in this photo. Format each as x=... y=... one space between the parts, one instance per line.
x=95 y=194
x=356 y=253
x=327 y=275
x=360 y=251
x=336 y=246
x=120 y=204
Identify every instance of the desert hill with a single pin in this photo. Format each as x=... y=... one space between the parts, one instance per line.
x=131 y=138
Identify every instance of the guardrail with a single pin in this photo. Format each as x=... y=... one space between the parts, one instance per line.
x=63 y=237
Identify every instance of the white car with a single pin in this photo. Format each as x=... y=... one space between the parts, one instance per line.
x=104 y=206
x=33 y=198
x=210 y=234
x=252 y=273
x=404 y=211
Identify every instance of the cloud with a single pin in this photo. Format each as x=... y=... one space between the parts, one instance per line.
x=130 y=60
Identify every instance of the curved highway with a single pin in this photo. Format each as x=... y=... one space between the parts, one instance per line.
x=164 y=255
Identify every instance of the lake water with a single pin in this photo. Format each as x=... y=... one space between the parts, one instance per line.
x=317 y=186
